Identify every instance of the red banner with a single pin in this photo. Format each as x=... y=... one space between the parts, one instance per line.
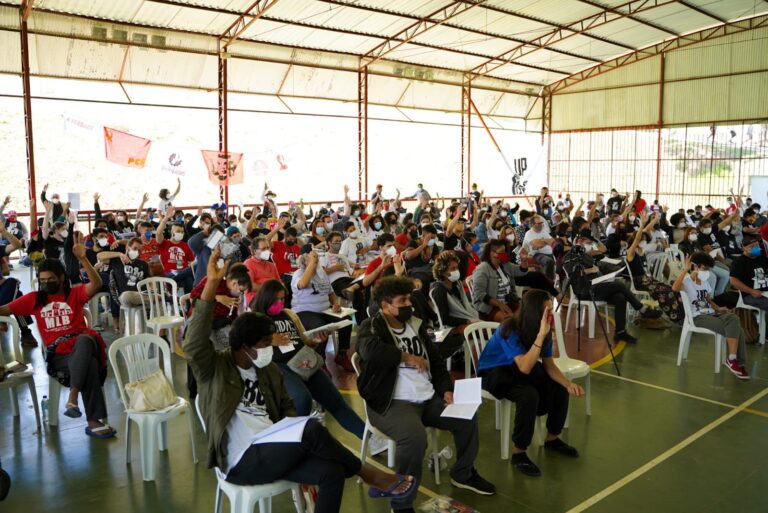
x=224 y=168
x=125 y=149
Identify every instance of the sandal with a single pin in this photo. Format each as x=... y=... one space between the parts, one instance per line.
x=102 y=432
x=72 y=411
x=377 y=493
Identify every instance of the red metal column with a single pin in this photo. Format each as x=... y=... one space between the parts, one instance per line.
x=362 y=134
x=223 y=125
x=466 y=132
x=24 y=10
x=546 y=125
x=660 y=122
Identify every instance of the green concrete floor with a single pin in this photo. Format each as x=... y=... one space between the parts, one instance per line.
x=634 y=421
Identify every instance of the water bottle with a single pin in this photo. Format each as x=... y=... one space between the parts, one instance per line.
x=443 y=456
x=44 y=406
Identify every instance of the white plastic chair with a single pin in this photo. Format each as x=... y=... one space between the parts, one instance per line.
x=93 y=307
x=132 y=319
x=163 y=312
x=760 y=316
x=689 y=328
x=391 y=446
x=469 y=281
x=17 y=379
x=242 y=499
x=141 y=355
x=570 y=367
x=585 y=306
x=439 y=320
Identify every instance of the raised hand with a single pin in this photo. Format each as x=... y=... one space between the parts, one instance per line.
x=7 y=200
x=96 y=197
x=145 y=198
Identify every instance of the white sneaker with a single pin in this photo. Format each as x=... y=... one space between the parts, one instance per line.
x=377 y=445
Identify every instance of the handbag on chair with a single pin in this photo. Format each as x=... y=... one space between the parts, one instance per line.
x=151 y=393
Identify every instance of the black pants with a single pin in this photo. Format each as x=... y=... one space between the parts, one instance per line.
x=536 y=280
x=286 y=279
x=318 y=459
x=312 y=320
x=83 y=367
x=533 y=394
x=617 y=294
x=359 y=302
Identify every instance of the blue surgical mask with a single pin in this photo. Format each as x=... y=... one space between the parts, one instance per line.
x=754 y=251
x=476 y=247
x=320 y=230
x=377 y=225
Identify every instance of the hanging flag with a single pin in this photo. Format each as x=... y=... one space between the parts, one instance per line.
x=224 y=168
x=125 y=149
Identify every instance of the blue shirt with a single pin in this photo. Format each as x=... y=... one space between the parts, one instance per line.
x=500 y=351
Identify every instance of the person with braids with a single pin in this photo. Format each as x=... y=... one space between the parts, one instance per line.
x=75 y=355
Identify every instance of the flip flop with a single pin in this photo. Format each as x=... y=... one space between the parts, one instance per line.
x=102 y=432
x=72 y=411
x=377 y=493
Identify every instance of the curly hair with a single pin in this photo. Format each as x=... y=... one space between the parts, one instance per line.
x=442 y=262
x=391 y=286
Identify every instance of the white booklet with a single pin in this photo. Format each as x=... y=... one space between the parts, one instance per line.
x=287 y=430
x=345 y=312
x=329 y=328
x=608 y=277
x=612 y=261
x=467 y=396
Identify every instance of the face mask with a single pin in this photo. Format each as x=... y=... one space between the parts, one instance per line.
x=51 y=287
x=276 y=307
x=55 y=201
x=404 y=313
x=454 y=276
x=727 y=229
x=681 y=226
x=133 y=254
x=391 y=252
x=353 y=235
x=264 y=254
x=103 y=242
x=703 y=275
x=377 y=225
x=336 y=246
x=181 y=219
x=476 y=247
x=511 y=237
x=631 y=219
x=205 y=226
x=64 y=234
x=503 y=213
x=148 y=234
x=755 y=251
x=320 y=230
x=355 y=213
x=706 y=231
x=431 y=242
x=263 y=357
x=290 y=242
x=177 y=237
x=693 y=237
x=120 y=219
x=329 y=226
x=413 y=234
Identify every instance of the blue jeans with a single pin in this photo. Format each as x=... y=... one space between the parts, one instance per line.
x=183 y=279
x=320 y=388
x=719 y=279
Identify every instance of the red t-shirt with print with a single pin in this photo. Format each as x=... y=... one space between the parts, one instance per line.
x=285 y=256
x=175 y=257
x=57 y=318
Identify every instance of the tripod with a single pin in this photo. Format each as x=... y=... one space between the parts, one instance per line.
x=578 y=273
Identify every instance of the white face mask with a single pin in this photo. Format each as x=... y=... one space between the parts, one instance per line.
x=693 y=237
x=681 y=226
x=454 y=276
x=103 y=242
x=55 y=201
x=354 y=235
x=703 y=275
x=177 y=237
x=64 y=234
x=133 y=254
x=631 y=219
x=706 y=231
x=120 y=219
x=391 y=252
x=431 y=242
x=329 y=226
x=265 y=254
x=511 y=237
x=264 y=357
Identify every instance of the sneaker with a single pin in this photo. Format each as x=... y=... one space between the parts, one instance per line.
x=626 y=337
x=377 y=445
x=523 y=463
x=651 y=313
x=558 y=445
x=476 y=484
x=737 y=369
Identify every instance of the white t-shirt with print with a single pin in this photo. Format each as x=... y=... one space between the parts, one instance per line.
x=531 y=236
x=411 y=385
x=250 y=418
x=697 y=294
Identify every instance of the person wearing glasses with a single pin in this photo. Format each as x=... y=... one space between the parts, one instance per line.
x=493 y=289
x=537 y=244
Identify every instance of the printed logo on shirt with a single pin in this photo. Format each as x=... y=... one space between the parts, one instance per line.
x=291 y=258
x=760 y=281
x=253 y=399
x=133 y=275
x=57 y=316
x=176 y=255
x=287 y=327
x=410 y=345
x=701 y=302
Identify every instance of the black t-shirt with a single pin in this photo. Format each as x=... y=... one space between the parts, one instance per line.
x=92 y=257
x=418 y=263
x=637 y=265
x=709 y=240
x=752 y=272
x=53 y=247
x=729 y=243
x=284 y=324
x=257 y=232
x=126 y=276
x=614 y=204
x=452 y=243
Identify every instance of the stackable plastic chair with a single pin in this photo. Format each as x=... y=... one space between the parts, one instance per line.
x=585 y=306
x=21 y=378
x=570 y=367
x=689 y=328
x=760 y=316
x=141 y=356
x=161 y=307
x=93 y=306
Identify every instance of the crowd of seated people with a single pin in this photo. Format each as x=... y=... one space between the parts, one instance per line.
x=260 y=279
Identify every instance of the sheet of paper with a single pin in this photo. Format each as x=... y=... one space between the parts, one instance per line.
x=608 y=277
x=214 y=238
x=287 y=430
x=287 y=348
x=612 y=261
x=467 y=396
x=345 y=312
x=74 y=200
x=329 y=328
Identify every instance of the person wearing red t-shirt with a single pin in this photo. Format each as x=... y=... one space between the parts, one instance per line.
x=410 y=232
x=285 y=253
x=175 y=254
x=260 y=266
x=150 y=248
x=76 y=355
x=639 y=203
x=378 y=265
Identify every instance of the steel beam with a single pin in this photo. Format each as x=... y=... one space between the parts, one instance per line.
x=223 y=124
x=702 y=11
x=580 y=27
x=24 y=10
x=417 y=28
x=724 y=29
x=244 y=20
x=466 y=133
x=641 y=21
x=362 y=134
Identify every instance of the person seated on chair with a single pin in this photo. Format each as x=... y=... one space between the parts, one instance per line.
x=126 y=270
x=749 y=273
x=707 y=314
x=517 y=365
x=76 y=355
x=613 y=292
x=538 y=245
x=260 y=266
x=406 y=387
x=456 y=311
x=242 y=393
x=175 y=254
x=493 y=288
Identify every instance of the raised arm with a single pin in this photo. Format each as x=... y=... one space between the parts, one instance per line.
x=178 y=187
x=347 y=201
x=94 y=279
x=13 y=242
x=45 y=230
x=141 y=206
x=162 y=225
x=278 y=228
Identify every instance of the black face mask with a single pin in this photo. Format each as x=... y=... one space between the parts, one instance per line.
x=413 y=234
x=290 y=242
x=404 y=313
x=51 y=287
